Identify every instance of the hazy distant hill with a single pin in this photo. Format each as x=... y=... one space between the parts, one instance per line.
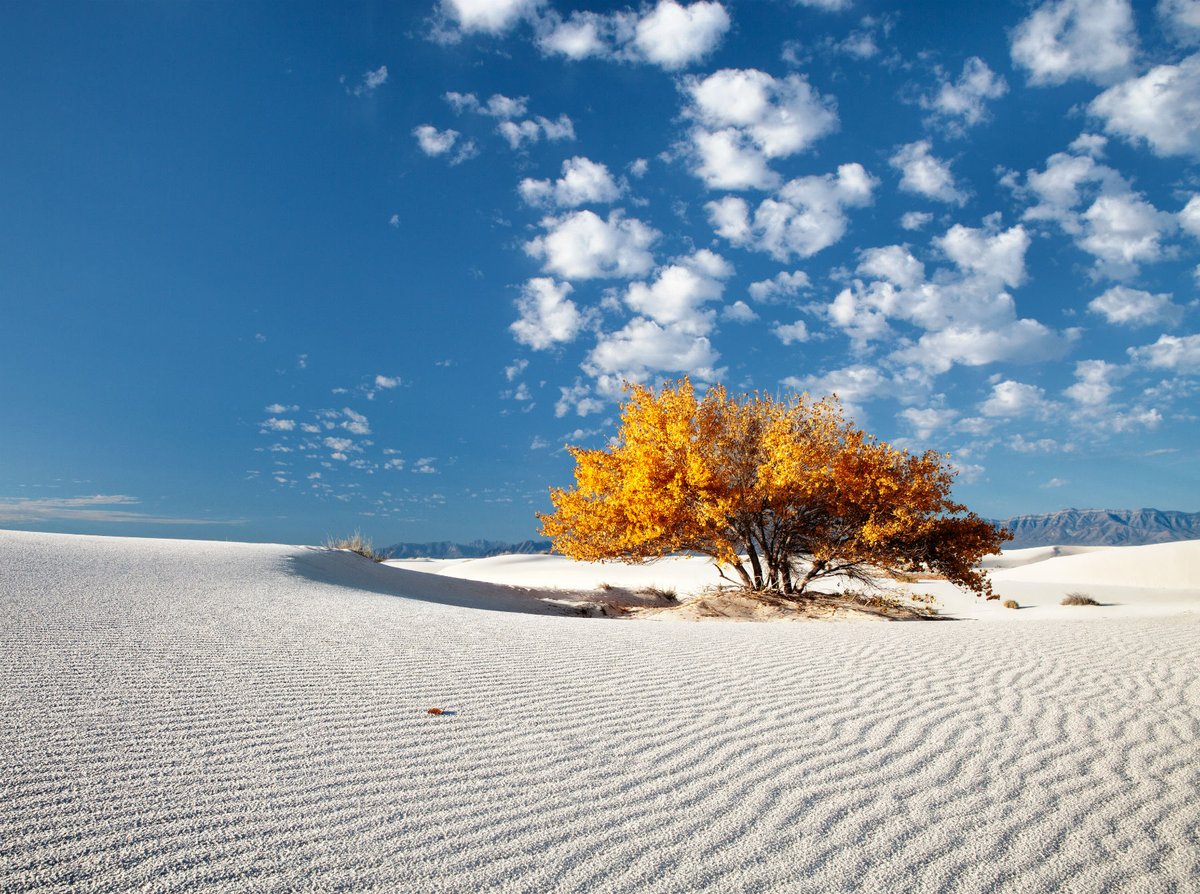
x=1102 y=527
x=476 y=549
x=1068 y=527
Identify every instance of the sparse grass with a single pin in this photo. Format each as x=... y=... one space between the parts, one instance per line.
x=659 y=593
x=1011 y=603
x=605 y=586
x=356 y=543
x=1077 y=598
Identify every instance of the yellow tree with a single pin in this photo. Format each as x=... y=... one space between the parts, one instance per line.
x=783 y=492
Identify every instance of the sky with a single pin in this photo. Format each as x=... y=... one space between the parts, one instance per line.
x=276 y=272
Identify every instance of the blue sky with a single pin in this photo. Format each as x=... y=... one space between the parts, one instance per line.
x=273 y=272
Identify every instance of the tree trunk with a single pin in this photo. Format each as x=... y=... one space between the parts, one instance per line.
x=754 y=564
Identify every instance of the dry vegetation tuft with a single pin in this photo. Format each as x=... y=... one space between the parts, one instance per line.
x=356 y=543
x=1078 y=598
x=1011 y=603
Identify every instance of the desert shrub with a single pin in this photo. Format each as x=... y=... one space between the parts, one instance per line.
x=659 y=593
x=782 y=492
x=605 y=586
x=1078 y=598
x=1010 y=603
x=356 y=543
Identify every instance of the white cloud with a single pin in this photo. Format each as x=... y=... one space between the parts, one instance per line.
x=1162 y=107
x=548 y=316
x=1094 y=386
x=1189 y=217
x=488 y=16
x=791 y=333
x=433 y=141
x=1025 y=340
x=583 y=181
x=744 y=117
x=371 y=81
x=673 y=36
x=927 y=421
x=915 y=220
x=1123 y=231
x=783 y=284
x=1125 y=306
x=643 y=347
x=670 y=34
x=805 y=216
x=382 y=381
x=854 y=386
x=276 y=409
x=995 y=256
x=577 y=397
x=425 y=465
x=1179 y=354
x=583 y=245
x=924 y=174
x=964 y=102
x=1181 y=19
x=531 y=130
x=679 y=292
x=274 y=424
x=497 y=106
x=356 y=423
x=739 y=312
x=1009 y=399
x=1065 y=39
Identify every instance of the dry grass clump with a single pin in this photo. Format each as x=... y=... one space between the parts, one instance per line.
x=662 y=593
x=1077 y=598
x=1011 y=603
x=356 y=543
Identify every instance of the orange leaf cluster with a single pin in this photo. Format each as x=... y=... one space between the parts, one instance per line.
x=782 y=491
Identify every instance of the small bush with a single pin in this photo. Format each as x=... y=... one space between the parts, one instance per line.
x=356 y=543
x=1079 y=599
x=659 y=593
x=605 y=586
x=1010 y=603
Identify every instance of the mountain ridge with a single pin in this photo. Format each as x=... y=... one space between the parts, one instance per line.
x=1066 y=527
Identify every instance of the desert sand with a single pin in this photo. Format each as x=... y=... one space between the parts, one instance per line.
x=218 y=716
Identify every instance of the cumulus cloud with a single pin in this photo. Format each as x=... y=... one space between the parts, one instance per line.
x=915 y=220
x=1119 y=227
x=966 y=313
x=547 y=316
x=1066 y=39
x=370 y=82
x=487 y=16
x=963 y=103
x=805 y=216
x=382 y=381
x=1093 y=386
x=1161 y=108
x=781 y=285
x=583 y=245
x=1181 y=20
x=583 y=181
x=1009 y=399
x=1180 y=354
x=497 y=106
x=790 y=333
x=1189 y=217
x=679 y=292
x=274 y=424
x=643 y=347
x=744 y=118
x=739 y=312
x=1122 y=232
x=924 y=174
x=670 y=35
x=1134 y=307
x=854 y=385
x=434 y=142
x=532 y=130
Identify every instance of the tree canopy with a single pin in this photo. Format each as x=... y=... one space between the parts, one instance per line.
x=783 y=492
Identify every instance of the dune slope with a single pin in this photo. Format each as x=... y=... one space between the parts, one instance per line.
x=232 y=717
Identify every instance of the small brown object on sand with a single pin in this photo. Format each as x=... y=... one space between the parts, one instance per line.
x=435 y=711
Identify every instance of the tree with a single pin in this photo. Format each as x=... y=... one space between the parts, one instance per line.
x=784 y=492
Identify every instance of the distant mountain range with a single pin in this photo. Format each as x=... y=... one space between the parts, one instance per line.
x=1068 y=527
x=1102 y=527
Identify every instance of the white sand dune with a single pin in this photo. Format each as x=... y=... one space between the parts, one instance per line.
x=211 y=716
